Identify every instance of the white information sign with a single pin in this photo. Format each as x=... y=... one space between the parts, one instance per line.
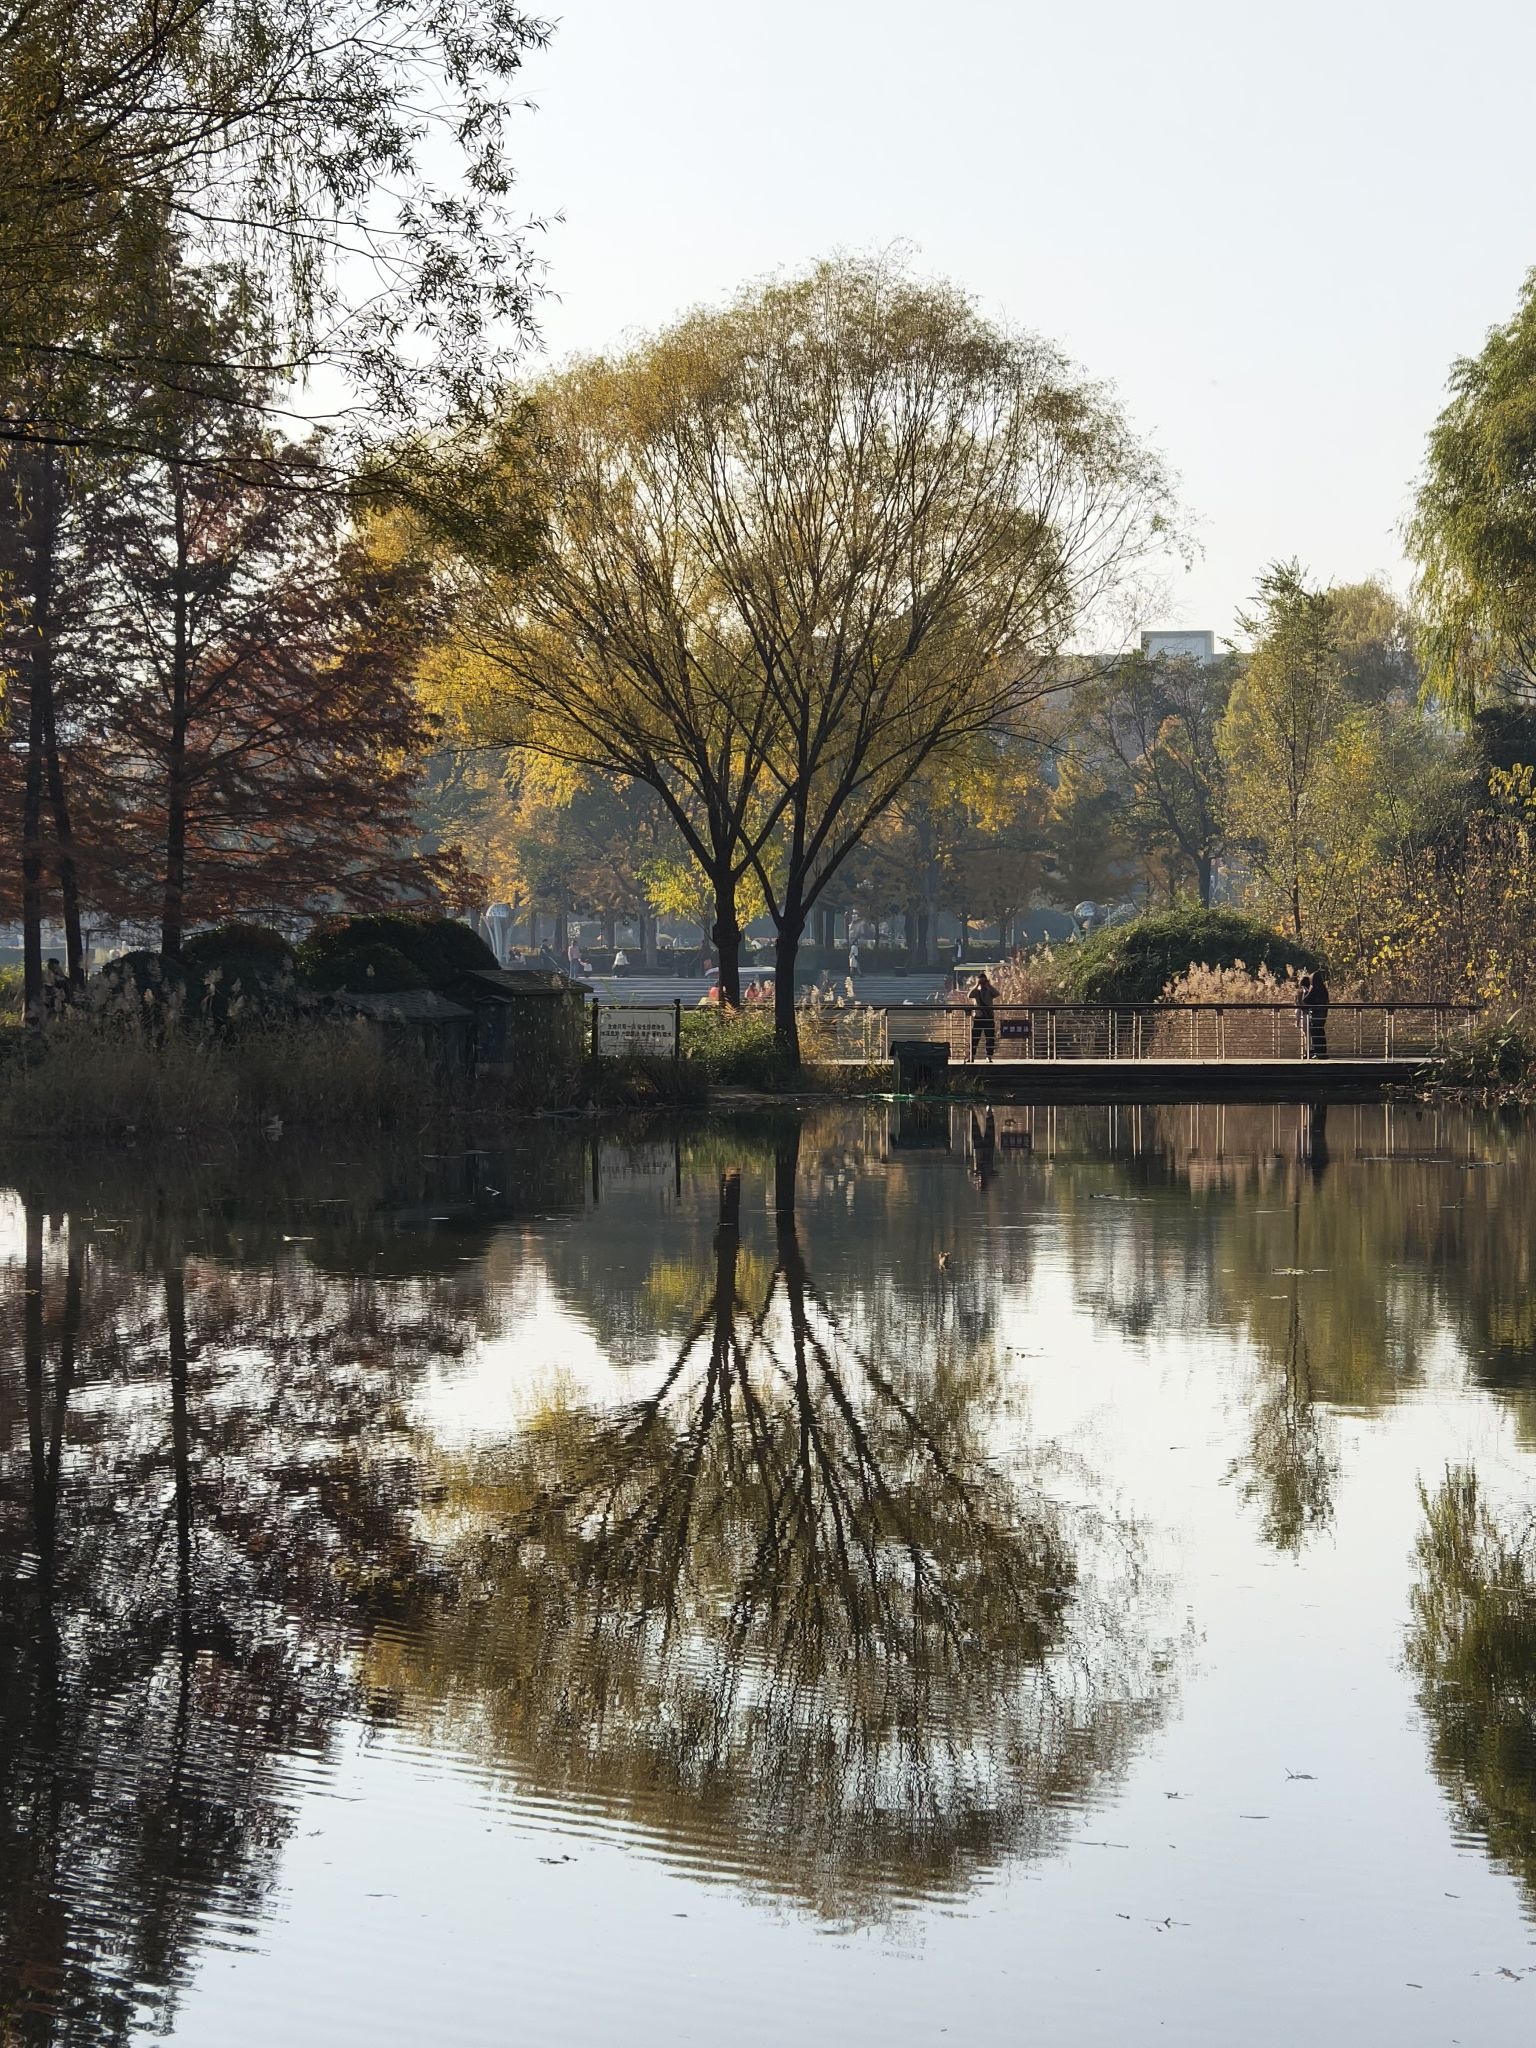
x=652 y=1032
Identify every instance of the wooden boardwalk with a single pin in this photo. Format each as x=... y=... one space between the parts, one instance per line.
x=1184 y=1080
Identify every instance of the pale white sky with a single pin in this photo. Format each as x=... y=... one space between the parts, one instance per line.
x=1272 y=228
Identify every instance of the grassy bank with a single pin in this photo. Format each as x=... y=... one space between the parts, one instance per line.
x=87 y=1078
x=95 y=1074
x=1494 y=1068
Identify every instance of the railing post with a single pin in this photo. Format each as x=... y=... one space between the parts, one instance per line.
x=595 y=1007
x=1387 y=1034
x=677 y=1030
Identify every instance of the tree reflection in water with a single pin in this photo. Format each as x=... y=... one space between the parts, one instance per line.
x=1472 y=1646
x=786 y=1610
x=205 y=1500
x=1292 y=1462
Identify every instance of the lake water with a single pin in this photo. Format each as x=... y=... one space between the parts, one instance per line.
x=1061 y=1576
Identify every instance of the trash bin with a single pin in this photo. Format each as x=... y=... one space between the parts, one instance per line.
x=920 y=1062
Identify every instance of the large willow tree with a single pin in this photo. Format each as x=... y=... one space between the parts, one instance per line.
x=1473 y=532
x=792 y=550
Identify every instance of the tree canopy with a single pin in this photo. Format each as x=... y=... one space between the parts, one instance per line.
x=1473 y=532
x=793 y=549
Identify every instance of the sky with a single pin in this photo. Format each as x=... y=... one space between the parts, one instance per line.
x=1271 y=229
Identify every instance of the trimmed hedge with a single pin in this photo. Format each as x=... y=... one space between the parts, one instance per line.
x=1134 y=963
x=142 y=973
x=239 y=952
x=438 y=948
x=372 y=970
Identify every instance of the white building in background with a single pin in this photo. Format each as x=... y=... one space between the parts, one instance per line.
x=1196 y=646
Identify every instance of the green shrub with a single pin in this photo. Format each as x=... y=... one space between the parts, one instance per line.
x=12 y=1003
x=1492 y=1058
x=1133 y=963
x=143 y=977
x=439 y=948
x=737 y=1048
x=367 y=970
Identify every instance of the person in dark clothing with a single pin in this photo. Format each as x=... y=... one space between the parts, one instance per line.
x=56 y=989
x=984 y=1016
x=1312 y=1001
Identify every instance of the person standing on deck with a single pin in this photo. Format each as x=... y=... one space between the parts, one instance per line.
x=984 y=1015
x=1312 y=1002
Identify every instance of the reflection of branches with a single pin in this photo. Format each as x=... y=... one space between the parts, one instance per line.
x=1472 y=1645
x=785 y=1599
x=1291 y=1467
x=191 y=1541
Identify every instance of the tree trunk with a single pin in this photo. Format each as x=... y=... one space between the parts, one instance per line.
x=727 y=1262
x=174 y=897
x=32 y=859
x=1204 y=873
x=915 y=934
x=726 y=935
x=181 y=1457
x=786 y=1166
x=786 y=951
x=32 y=1325
x=648 y=941
x=173 y=906
x=64 y=847
x=45 y=530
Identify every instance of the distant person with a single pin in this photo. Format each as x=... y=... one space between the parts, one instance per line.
x=853 y=958
x=1312 y=1001
x=55 y=989
x=573 y=961
x=984 y=1015
x=621 y=962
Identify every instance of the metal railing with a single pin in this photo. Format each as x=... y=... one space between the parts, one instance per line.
x=1186 y=1031
x=1075 y=1031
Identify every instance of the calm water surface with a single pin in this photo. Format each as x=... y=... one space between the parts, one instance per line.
x=1062 y=1576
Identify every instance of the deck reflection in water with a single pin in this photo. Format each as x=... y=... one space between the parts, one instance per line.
x=690 y=1489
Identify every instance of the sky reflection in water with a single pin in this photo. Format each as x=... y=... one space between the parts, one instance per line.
x=849 y=1577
